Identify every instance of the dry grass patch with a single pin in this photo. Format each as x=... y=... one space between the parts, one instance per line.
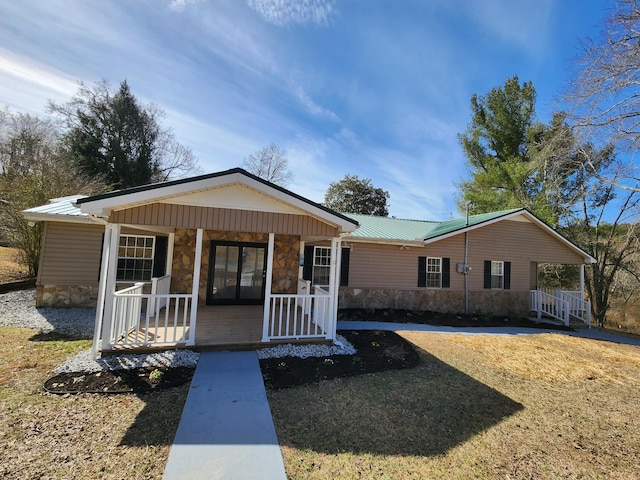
x=10 y=268
x=544 y=406
x=76 y=436
x=556 y=358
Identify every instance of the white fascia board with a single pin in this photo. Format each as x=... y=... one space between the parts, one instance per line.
x=105 y=206
x=383 y=241
x=52 y=217
x=587 y=258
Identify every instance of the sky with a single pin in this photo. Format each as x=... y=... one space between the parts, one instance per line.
x=374 y=88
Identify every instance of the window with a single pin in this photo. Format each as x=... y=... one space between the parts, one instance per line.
x=434 y=272
x=497 y=275
x=321 y=265
x=135 y=258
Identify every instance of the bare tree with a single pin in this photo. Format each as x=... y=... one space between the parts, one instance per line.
x=269 y=164
x=604 y=93
x=33 y=169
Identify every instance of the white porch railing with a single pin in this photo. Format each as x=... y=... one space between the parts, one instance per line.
x=562 y=305
x=299 y=316
x=159 y=286
x=133 y=325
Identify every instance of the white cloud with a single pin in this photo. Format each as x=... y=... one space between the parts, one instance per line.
x=283 y=12
x=27 y=85
x=180 y=5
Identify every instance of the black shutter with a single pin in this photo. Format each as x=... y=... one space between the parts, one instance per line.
x=446 y=274
x=422 y=271
x=507 y=275
x=487 y=274
x=160 y=256
x=307 y=267
x=100 y=260
x=344 y=266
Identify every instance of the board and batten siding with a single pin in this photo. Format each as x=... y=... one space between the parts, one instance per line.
x=71 y=254
x=211 y=218
x=375 y=266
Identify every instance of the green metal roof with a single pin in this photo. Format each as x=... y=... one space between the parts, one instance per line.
x=384 y=228
x=390 y=228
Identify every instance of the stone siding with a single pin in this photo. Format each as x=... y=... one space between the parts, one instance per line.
x=503 y=302
x=66 y=296
x=286 y=259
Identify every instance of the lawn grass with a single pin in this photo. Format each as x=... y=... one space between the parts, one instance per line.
x=538 y=406
x=10 y=268
x=76 y=436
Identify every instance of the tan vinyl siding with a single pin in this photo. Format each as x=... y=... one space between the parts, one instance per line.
x=71 y=254
x=521 y=243
x=185 y=216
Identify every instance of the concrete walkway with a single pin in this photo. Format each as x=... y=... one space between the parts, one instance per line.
x=226 y=430
x=591 y=333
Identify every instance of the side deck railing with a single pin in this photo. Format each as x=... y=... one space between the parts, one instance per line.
x=561 y=305
x=299 y=316
x=137 y=321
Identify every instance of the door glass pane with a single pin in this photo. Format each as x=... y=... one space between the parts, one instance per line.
x=251 y=278
x=226 y=272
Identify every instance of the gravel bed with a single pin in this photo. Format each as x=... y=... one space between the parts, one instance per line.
x=17 y=309
x=83 y=362
x=340 y=347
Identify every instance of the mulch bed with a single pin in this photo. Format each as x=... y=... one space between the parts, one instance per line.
x=442 y=319
x=376 y=351
x=139 y=380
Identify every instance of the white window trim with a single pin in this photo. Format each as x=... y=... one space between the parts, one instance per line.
x=153 y=253
x=439 y=272
x=328 y=267
x=501 y=275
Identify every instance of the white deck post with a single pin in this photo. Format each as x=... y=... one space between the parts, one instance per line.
x=334 y=281
x=267 y=288
x=197 y=262
x=110 y=274
x=582 y=281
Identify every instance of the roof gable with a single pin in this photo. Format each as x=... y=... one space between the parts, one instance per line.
x=248 y=191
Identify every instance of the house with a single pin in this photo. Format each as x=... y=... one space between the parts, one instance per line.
x=229 y=259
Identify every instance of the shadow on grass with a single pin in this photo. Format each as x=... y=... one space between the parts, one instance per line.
x=54 y=336
x=423 y=411
x=157 y=422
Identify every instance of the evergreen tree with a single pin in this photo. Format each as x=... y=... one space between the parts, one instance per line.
x=114 y=137
x=355 y=195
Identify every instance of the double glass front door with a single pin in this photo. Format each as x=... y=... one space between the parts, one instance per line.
x=236 y=273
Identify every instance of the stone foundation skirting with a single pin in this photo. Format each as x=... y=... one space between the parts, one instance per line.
x=491 y=302
x=66 y=296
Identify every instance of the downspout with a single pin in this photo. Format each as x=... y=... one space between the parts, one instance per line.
x=466 y=260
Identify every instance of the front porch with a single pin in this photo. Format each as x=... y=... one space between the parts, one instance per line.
x=152 y=321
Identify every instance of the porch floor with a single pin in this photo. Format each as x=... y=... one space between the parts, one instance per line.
x=229 y=325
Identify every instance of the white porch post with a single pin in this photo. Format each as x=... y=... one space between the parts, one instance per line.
x=110 y=273
x=582 y=281
x=197 y=262
x=334 y=281
x=267 y=288
x=102 y=286
x=169 y=264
